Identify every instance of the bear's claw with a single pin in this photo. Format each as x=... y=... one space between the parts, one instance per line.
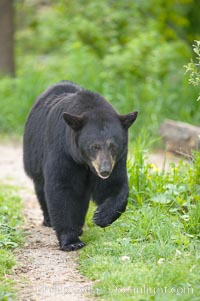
x=101 y=219
x=72 y=247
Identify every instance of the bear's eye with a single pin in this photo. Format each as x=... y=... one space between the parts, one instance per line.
x=112 y=146
x=95 y=147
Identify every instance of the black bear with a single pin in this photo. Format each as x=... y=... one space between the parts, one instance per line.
x=75 y=149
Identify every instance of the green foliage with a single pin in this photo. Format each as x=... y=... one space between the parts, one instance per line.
x=152 y=251
x=193 y=68
x=169 y=187
x=100 y=25
x=130 y=51
x=134 y=39
x=155 y=99
x=10 y=237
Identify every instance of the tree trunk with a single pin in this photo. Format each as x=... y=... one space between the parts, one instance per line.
x=180 y=137
x=7 y=64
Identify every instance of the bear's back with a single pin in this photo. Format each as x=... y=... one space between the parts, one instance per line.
x=35 y=126
x=52 y=95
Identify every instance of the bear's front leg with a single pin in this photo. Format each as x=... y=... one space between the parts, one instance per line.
x=111 y=196
x=111 y=209
x=67 y=202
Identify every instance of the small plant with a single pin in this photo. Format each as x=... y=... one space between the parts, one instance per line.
x=193 y=68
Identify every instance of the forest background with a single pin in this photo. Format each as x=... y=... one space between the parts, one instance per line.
x=132 y=52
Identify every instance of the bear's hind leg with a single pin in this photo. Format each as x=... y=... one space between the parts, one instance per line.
x=39 y=190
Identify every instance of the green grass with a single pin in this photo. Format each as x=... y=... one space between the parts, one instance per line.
x=152 y=251
x=10 y=237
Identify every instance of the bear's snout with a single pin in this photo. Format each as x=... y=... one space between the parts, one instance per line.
x=103 y=165
x=105 y=169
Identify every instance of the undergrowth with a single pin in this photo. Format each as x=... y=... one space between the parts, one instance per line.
x=152 y=251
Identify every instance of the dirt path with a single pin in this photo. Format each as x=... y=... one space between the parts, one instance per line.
x=44 y=272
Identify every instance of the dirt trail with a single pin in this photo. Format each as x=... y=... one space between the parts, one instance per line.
x=44 y=272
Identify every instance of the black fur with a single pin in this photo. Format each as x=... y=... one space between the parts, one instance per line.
x=67 y=128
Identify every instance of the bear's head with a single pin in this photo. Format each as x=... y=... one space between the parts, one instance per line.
x=100 y=138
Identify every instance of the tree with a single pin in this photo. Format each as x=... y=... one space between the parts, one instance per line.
x=7 y=64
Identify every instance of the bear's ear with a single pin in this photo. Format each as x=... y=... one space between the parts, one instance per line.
x=128 y=119
x=76 y=122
